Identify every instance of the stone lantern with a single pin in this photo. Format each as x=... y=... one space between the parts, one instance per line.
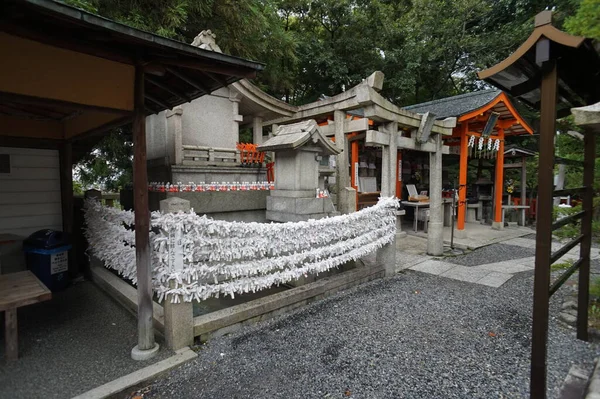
x=299 y=148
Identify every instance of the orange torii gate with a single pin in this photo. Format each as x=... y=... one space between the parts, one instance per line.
x=474 y=127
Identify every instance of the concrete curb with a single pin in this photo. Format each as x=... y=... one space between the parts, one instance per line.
x=138 y=377
x=593 y=389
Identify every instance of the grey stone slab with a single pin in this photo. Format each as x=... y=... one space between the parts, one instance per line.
x=281 y=204
x=306 y=206
x=293 y=193
x=463 y=273
x=406 y=260
x=433 y=267
x=495 y=279
x=507 y=267
x=328 y=205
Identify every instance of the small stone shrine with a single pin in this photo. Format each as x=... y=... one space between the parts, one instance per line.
x=298 y=148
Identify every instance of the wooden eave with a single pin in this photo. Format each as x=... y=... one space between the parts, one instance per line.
x=578 y=64
x=510 y=120
x=73 y=71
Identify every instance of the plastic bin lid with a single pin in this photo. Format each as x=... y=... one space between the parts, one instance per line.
x=46 y=239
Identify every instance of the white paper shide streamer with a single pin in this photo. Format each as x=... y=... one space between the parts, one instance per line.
x=196 y=257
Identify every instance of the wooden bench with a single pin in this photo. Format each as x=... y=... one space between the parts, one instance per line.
x=17 y=290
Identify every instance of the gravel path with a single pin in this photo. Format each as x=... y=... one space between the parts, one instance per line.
x=491 y=254
x=411 y=336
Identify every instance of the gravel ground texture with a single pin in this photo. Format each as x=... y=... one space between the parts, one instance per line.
x=491 y=254
x=410 y=336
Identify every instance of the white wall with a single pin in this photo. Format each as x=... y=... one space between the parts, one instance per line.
x=30 y=195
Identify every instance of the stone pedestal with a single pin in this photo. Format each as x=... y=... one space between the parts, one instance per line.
x=297 y=205
x=299 y=148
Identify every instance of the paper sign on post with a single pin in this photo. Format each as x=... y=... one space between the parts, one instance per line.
x=176 y=248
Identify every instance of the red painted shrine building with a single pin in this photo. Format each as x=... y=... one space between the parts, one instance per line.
x=484 y=120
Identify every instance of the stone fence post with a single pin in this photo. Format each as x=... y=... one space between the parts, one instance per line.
x=179 y=317
x=386 y=256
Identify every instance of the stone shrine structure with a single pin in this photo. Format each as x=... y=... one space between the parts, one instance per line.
x=299 y=148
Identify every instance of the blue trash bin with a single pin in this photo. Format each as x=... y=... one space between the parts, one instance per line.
x=47 y=256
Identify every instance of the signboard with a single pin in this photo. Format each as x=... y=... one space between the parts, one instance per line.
x=59 y=262
x=356 y=173
x=399 y=170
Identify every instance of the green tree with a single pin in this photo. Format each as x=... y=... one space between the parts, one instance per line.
x=586 y=22
x=109 y=165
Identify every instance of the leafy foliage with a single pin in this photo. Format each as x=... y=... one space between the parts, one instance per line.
x=586 y=22
x=427 y=49
x=109 y=164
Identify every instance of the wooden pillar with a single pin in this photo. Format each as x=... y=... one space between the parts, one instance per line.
x=146 y=346
x=523 y=190
x=11 y=334
x=354 y=168
x=543 y=247
x=583 y=297
x=499 y=184
x=354 y=164
x=462 y=176
x=399 y=175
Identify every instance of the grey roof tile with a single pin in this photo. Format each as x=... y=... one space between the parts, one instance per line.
x=456 y=105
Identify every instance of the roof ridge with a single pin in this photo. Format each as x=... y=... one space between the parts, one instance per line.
x=452 y=98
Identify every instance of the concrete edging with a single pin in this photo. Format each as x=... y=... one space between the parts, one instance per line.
x=593 y=388
x=234 y=318
x=123 y=292
x=129 y=381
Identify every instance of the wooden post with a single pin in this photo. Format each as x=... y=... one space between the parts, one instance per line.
x=462 y=177
x=146 y=346
x=543 y=247
x=354 y=164
x=11 y=335
x=354 y=168
x=499 y=184
x=583 y=298
x=523 y=191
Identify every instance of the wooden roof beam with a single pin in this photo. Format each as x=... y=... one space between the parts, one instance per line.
x=166 y=88
x=198 y=85
x=240 y=72
x=217 y=79
x=157 y=101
